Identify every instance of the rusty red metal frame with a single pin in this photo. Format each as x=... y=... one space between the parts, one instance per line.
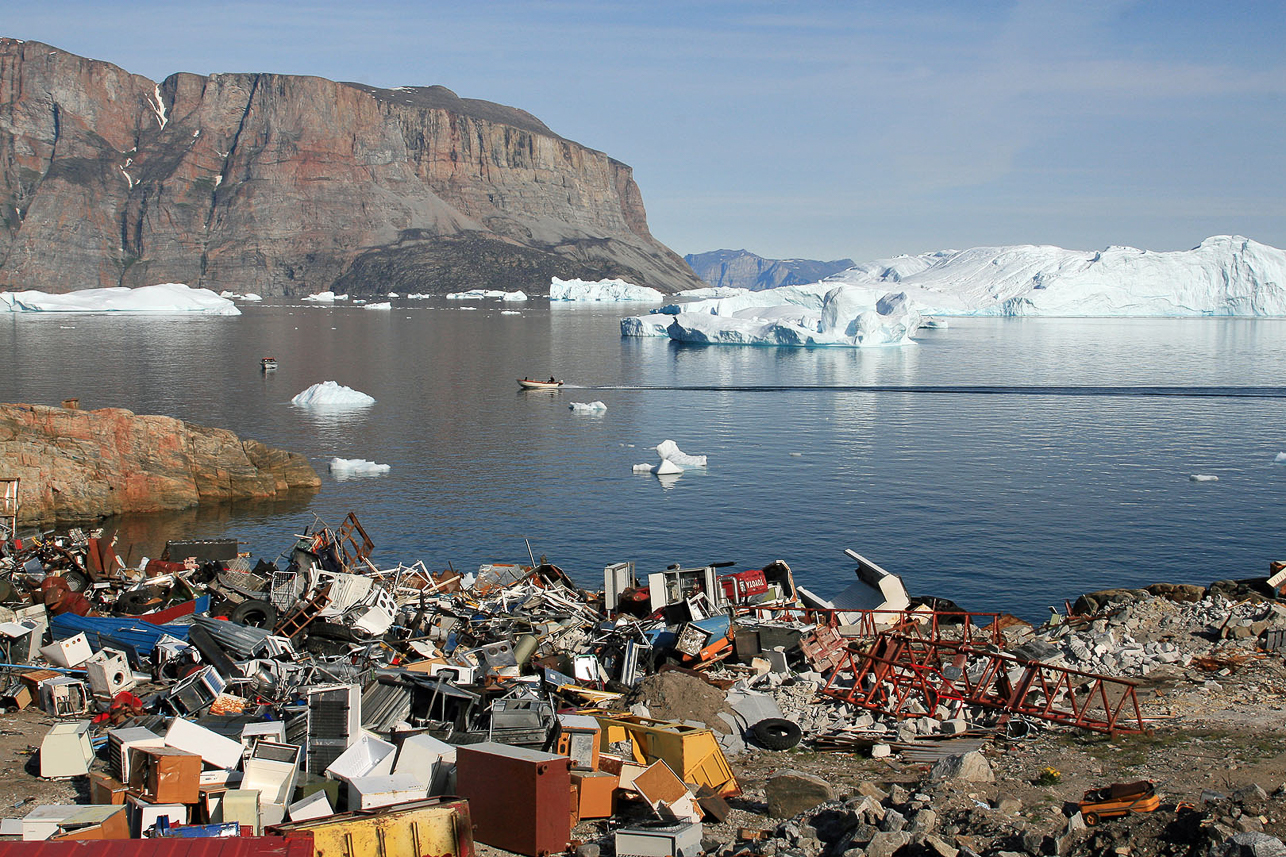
x=909 y=676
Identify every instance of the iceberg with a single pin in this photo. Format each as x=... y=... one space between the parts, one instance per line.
x=809 y=316
x=344 y=468
x=477 y=294
x=587 y=407
x=601 y=290
x=320 y=297
x=1202 y=477
x=665 y=468
x=1225 y=275
x=669 y=451
x=646 y=325
x=161 y=298
x=1280 y=459
x=381 y=305
x=330 y=394
x=251 y=296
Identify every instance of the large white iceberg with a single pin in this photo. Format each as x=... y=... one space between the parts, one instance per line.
x=601 y=290
x=587 y=407
x=1226 y=275
x=331 y=394
x=343 y=468
x=822 y=314
x=162 y=298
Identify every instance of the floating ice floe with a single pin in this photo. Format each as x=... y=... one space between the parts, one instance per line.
x=478 y=294
x=665 y=468
x=839 y=316
x=669 y=451
x=381 y=305
x=391 y=295
x=331 y=394
x=587 y=407
x=343 y=468
x=510 y=312
x=601 y=290
x=1280 y=459
x=161 y=298
x=1202 y=477
x=324 y=298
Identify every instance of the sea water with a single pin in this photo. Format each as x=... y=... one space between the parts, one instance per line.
x=1000 y=499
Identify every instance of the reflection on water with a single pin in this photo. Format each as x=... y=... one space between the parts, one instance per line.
x=999 y=502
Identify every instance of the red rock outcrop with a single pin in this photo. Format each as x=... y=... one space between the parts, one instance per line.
x=80 y=465
x=281 y=184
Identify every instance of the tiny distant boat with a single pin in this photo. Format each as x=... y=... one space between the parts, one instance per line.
x=551 y=384
x=268 y=364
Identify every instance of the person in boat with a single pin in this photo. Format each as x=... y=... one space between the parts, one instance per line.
x=551 y=380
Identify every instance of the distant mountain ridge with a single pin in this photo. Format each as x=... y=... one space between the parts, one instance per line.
x=286 y=185
x=741 y=269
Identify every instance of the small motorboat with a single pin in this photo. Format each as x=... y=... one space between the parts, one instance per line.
x=528 y=384
x=268 y=364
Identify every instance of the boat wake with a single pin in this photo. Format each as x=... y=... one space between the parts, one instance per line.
x=980 y=390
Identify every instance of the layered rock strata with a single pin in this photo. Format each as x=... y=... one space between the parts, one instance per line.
x=286 y=185
x=79 y=465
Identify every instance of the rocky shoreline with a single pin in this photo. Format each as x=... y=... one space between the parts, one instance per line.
x=79 y=465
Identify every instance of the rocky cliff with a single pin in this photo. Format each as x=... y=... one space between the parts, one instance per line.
x=743 y=270
x=80 y=465
x=286 y=185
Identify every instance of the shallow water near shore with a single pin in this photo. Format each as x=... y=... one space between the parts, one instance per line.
x=1000 y=499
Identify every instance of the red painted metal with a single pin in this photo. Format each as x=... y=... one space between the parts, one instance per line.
x=907 y=676
x=245 y=846
x=977 y=629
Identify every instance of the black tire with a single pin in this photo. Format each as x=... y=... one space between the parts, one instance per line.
x=77 y=581
x=776 y=734
x=255 y=613
x=1091 y=819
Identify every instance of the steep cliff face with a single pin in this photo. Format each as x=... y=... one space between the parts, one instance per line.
x=282 y=184
x=743 y=270
x=80 y=465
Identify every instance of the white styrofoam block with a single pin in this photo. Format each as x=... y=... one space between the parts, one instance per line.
x=214 y=749
x=386 y=790
x=368 y=757
x=70 y=652
x=316 y=805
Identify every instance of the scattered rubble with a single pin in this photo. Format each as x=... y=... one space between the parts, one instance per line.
x=204 y=692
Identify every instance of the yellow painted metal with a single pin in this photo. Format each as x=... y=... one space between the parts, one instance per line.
x=429 y=828
x=692 y=752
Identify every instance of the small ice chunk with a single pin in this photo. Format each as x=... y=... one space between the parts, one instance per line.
x=1202 y=477
x=587 y=407
x=346 y=467
x=383 y=305
x=1280 y=459
x=320 y=298
x=514 y=296
x=665 y=468
x=392 y=294
x=331 y=394
x=669 y=451
x=510 y=312
x=251 y=296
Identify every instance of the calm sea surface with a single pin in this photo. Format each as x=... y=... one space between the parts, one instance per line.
x=1004 y=500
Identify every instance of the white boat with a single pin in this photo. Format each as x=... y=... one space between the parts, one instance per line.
x=539 y=385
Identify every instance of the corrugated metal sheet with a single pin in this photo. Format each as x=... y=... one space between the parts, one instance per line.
x=245 y=846
x=133 y=632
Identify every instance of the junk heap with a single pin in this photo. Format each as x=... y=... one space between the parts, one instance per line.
x=320 y=701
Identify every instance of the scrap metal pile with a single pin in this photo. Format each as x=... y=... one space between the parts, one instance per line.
x=202 y=691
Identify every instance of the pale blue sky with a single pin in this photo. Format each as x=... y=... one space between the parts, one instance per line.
x=814 y=129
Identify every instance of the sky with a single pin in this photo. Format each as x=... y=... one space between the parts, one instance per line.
x=813 y=129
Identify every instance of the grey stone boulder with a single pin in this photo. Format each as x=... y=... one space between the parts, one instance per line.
x=971 y=767
x=791 y=792
x=1252 y=844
